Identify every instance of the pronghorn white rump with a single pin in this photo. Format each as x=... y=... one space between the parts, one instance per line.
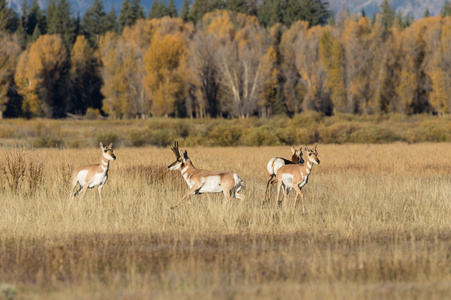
x=203 y=181
x=295 y=176
x=92 y=176
x=276 y=163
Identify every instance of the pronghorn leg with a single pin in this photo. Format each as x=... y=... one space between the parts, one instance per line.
x=298 y=191
x=100 y=192
x=268 y=186
x=85 y=188
x=279 y=186
x=192 y=190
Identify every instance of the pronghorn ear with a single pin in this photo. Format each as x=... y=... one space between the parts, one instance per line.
x=111 y=146
x=306 y=149
x=101 y=145
x=293 y=150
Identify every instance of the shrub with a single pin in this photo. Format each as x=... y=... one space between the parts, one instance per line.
x=260 y=136
x=338 y=133
x=139 y=137
x=225 y=135
x=162 y=137
x=48 y=141
x=374 y=135
x=8 y=292
x=107 y=137
x=92 y=114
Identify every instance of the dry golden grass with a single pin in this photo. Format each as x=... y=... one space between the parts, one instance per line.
x=377 y=225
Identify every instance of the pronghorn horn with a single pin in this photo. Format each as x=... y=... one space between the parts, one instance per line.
x=175 y=149
x=305 y=147
x=293 y=150
x=316 y=146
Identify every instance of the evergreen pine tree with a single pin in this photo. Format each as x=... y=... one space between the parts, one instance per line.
x=9 y=21
x=126 y=16
x=236 y=5
x=158 y=10
x=171 y=10
x=446 y=9
x=22 y=30
x=270 y=12
x=184 y=14
x=331 y=20
x=111 y=21
x=201 y=7
x=36 y=19
x=138 y=10
x=315 y=12
x=427 y=13
x=93 y=23
x=388 y=14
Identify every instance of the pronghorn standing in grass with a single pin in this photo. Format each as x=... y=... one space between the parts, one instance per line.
x=296 y=175
x=93 y=175
x=276 y=163
x=203 y=181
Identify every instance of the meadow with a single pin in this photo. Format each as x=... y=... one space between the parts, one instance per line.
x=377 y=225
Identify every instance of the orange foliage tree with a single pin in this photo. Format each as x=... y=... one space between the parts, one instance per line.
x=38 y=75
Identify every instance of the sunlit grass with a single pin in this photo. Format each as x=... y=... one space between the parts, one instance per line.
x=376 y=226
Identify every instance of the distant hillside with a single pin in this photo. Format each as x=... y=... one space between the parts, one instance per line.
x=415 y=7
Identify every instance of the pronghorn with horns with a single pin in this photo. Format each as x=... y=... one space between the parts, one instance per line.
x=295 y=176
x=93 y=175
x=276 y=163
x=203 y=181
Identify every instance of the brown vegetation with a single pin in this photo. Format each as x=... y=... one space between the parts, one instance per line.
x=376 y=226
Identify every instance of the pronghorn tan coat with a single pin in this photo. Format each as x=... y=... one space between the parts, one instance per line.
x=295 y=176
x=276 y=163
x=92 y=176
x=203 y=181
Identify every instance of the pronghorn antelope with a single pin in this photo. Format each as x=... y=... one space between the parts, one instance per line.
x=275 y=163
x=296 y=175
x=93 y=175
x=203 y=181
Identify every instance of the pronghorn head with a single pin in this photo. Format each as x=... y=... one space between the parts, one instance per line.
x=180 y=161
x=107 y=152
x=312 y=155
x=296 y=158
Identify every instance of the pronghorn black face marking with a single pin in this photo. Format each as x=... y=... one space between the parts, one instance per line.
x=312 y=155
x=108 y=152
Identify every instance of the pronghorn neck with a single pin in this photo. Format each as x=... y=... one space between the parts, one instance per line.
x=187 y=167
x=308 y=166
x=104 y=164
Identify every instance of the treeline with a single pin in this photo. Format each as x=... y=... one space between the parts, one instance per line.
x=221 y=59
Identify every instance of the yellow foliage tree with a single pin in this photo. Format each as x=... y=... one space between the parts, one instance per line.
x=166 y=76
x=269 y=76
x=38 y=71
x=9 y=56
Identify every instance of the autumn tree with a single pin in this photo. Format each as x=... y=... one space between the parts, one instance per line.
x=331 y=55
x=166 y=72
x=40 y=77
x=9 y=55
x=94 y=23
x=203 y=64
x=84 y=72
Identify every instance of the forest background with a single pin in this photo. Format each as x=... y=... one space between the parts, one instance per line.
x=221 y=59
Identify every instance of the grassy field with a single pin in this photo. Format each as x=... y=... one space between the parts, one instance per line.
x=377 y=226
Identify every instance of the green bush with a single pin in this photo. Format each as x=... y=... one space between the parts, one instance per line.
x=162 y=137
x=139 y=137
x=48 y=141
x=374 y=135
x=260 y=136
x=224 y=135
x=107 y=137
x=337 y=133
